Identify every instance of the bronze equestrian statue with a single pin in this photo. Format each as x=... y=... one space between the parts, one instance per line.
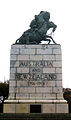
x=38 y=30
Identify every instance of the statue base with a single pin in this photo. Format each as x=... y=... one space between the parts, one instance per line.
x=30 y=106
x=35 y=80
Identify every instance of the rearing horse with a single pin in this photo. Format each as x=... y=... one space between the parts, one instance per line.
x=38 y=30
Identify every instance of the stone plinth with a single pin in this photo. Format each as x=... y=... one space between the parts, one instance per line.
x=47 y=106
x=35 y=78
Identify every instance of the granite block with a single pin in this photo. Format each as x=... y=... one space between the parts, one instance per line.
x=43 y=89
x=22 y=70
x=48 y=108
x=44 y=51
x=23 y=57
x=35 y=96
x=12 y=70
x=9 y=108
x=59 y=70
x=22 y=108
x=13 y=57
x=27 y=51
x=58 y=57
x=12 y=83
x=57 y=89
x=49 y=83
x=56 y=51
x=62 y=108
x=15 y=51
x=57 y=64
x=12 y=76
x=58 y=83
x=49 y=70
x=49 y=96
x=36 y=57
x=49 y=57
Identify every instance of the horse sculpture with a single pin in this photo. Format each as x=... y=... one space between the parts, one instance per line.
x=38 y=30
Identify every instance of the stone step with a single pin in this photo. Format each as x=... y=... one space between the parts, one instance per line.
x=9 y=116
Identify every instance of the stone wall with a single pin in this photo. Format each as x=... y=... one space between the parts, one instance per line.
x=35 y=72
x=35 y=80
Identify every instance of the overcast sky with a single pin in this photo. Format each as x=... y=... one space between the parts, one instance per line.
x=15 y=17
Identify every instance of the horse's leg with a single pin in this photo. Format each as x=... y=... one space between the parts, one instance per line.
x=27 y=40
x=51 y=39
x=47 y=40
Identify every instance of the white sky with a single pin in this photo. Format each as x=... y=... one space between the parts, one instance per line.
x=15 y=17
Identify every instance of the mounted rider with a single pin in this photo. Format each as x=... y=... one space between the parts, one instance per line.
x=38 y=30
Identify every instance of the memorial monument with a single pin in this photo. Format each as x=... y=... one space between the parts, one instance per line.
x=36 y=71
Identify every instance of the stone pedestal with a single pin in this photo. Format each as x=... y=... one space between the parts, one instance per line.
x=35 y=79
